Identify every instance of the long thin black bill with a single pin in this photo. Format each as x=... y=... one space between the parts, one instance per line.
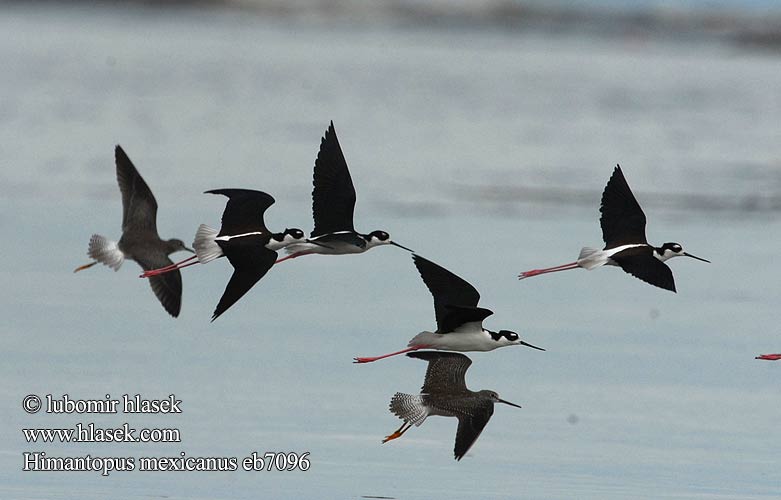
x=532 y=346
x=695 y=257
x=400 y=246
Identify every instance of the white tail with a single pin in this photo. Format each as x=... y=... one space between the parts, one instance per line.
x=105 y=251
x=206 y=249
x=409 y=408
x=591 y=258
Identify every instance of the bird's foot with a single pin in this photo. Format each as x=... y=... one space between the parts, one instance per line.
x=769 y=357
x=85 y=266
x=396 y=434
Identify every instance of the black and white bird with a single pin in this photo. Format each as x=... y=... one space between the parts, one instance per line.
x=333 y=203
x=444 y=393
x=623 y=230
x=459 y=320
x=244 y=239
x=140 y=241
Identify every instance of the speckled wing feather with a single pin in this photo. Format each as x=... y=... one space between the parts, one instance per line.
x=446 y=372
x=244 y=211
x=622 y=219
x=139 y=207
x=333 y=196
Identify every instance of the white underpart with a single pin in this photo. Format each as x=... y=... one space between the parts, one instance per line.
x=668 y=254
x=287 y=240
x=105 y=251
x=205 y=244
x=591 y=258
x=461 y=340
x=334 y=247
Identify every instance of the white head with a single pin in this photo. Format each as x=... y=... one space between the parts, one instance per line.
x=377 y=238
x=670 y=250
x=506 y=337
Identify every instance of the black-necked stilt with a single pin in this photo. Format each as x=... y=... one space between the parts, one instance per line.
x=244 y=239
x=623 y=230
x=333 y=203
x=459 y=320
x=444 y=393
x=140 y=241
x=769 y=357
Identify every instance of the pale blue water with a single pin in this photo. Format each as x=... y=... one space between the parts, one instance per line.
x=641 y=394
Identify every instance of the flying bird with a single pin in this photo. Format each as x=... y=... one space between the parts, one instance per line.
x=459 y=320
x=140 y=241
x=333 y=203
x=444 y=393
x=244 y=239
x=623 y=230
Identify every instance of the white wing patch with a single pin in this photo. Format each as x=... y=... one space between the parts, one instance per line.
x=105 y=251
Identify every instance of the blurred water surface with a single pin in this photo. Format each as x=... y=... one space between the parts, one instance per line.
x=484 y=150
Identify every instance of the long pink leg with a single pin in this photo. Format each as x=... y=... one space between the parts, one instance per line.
x=162 y=270
x=769 y=357
x=375 y=358
x=535 y=272
x=293 y=256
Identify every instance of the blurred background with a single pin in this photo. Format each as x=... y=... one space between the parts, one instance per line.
x=478 y=133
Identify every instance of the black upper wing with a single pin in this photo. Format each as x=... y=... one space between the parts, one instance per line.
x=333 y=197
x=446 y=371
x=244 y=211
x=622 y=220
x=470 y=424
x=250 y=262
x=139 y=207
x=641 y=263
x=455 y=300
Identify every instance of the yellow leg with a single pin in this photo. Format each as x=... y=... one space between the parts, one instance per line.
x=398 y=432
x=85 y=266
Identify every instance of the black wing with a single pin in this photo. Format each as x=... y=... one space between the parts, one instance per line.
x=446 y=372
x=250 y=263
x=641 y=263
x=139 y=207
x=333 y=197
x=622 y=220
x=244 y=211
x=167 y=286
x=455 y=316
x=470 y=424
x=455 y=300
